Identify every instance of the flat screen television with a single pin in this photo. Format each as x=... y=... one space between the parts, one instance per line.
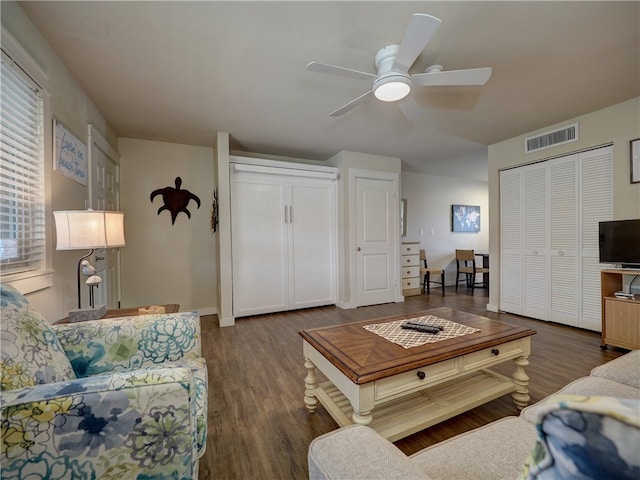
x=619 y=242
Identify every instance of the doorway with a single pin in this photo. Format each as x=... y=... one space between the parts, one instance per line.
x=104 y=194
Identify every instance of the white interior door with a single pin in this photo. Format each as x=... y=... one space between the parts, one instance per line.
x=259 y=244
x=377 y=238
x=312 y=222
x=104 y=179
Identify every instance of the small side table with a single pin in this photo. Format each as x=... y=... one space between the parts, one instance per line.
x=127 y=312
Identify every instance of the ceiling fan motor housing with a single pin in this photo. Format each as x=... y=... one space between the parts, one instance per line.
x=385 y=58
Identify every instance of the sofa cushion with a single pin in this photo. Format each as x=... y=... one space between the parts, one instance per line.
x=359 y=452
x=593 y=386
x=582 y=437
x=624 y=369
x=495 y=451
x=31 y=353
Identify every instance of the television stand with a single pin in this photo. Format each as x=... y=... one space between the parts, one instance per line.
x=620 y=316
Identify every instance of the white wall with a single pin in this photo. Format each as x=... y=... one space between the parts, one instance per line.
x=429 y=200
x=69 y=104
x=617 y=124
x=165 y=263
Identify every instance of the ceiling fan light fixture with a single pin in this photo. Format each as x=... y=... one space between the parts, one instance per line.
x=392 y=88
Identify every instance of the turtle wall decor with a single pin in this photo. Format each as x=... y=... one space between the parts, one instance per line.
x=175 y=199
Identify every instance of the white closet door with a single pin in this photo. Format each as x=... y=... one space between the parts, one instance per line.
x=549 y=237
x=535 y=242
x=563 y=189
x=312 y=220
x=596 y=205
x=511 y=241
x=259 y=241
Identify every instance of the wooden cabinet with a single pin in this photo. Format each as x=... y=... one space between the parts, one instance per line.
x=284 y=238
x=620 y=316
x=410 y=262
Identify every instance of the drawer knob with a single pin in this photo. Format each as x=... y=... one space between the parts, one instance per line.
x=421 y=375
x=495 y=351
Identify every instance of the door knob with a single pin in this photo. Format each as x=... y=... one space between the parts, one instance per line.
x=358 y=249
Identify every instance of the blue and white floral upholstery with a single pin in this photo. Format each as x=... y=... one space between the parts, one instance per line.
x=115 y=398
x=585 y=437
x=31 y=353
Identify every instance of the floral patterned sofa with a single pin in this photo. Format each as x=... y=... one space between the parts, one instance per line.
x=116 y=398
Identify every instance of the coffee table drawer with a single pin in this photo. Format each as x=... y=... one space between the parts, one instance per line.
x=492 y=356
x=416 y=379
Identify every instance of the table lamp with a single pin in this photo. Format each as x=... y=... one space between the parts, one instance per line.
x=88 y=230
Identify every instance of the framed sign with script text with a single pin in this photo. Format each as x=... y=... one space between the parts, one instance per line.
x=69 y=154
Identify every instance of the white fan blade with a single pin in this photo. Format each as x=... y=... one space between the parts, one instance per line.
x=420 y=30
x=411 y=109
x=342 y=71
x=470 y=76
x=352 y=104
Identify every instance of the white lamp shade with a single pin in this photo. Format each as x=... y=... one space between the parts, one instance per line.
x=85 y=229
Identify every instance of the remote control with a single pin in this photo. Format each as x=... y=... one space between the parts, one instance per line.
x=419 y=324
x=424 y=328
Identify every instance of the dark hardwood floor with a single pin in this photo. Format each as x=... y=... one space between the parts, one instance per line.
x=259 y=427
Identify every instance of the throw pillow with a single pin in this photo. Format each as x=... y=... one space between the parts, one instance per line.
x=30 y=352
x=582 y=437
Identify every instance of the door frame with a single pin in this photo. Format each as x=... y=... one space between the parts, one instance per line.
x=97 y=140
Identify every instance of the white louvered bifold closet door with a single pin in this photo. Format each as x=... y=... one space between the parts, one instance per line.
x=535 y=247
x=511 y=241
x=563 y=190
x=549 y=237
x=596 y=205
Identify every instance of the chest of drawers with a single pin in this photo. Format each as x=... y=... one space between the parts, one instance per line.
x=410 y=261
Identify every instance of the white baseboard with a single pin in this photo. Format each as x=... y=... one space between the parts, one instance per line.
x=493 y=308
x=227 y=322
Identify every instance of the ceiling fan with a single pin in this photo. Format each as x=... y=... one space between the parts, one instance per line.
x=393 y=82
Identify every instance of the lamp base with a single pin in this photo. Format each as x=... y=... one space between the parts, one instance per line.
x=84 y=314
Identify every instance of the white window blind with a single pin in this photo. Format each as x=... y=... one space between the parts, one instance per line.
x=22 y=213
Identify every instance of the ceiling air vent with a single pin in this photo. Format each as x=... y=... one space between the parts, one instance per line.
x=551 y=139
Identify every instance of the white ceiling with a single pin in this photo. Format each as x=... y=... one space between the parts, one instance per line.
x=180 y=71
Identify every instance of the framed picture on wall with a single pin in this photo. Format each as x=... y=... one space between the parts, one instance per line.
x=465 y=218
x=634 y=149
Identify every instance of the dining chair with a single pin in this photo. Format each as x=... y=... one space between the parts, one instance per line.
x=426 y=272
x=466 y=264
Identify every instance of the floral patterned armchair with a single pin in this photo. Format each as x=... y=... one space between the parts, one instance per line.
x=116 y=398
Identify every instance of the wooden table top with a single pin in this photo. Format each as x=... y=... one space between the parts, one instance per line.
x=364 y=356
x=127 y=312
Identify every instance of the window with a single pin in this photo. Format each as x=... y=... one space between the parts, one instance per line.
x=22 y=211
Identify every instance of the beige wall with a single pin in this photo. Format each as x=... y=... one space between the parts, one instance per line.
x=617 y=124
x=429 y=200
x=165 y=263
x=346 y=161
x=69 y=104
